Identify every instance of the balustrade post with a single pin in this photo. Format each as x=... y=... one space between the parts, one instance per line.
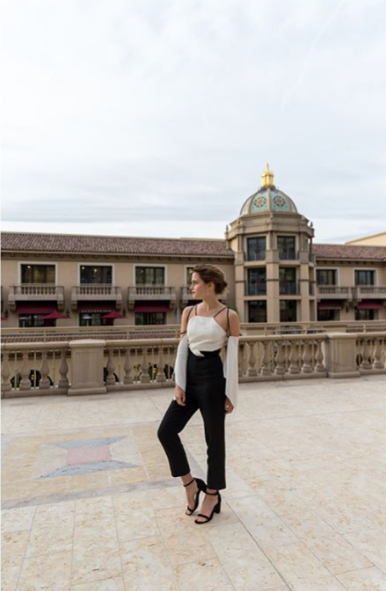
x=110 y=379
x=319 y=366
x=160 y=373
x=306 y=358
x=63 y=371
x=25 y=383
x=377 y=354
x=44 y=383
x=265 y=368
x=365 y=363
x=294 y=358
x=252 y=371
x=145 y=378
x=280 y=358
x=127 y=367
x=6 y=385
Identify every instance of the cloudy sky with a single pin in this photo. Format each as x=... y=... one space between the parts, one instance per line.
x=156 y=117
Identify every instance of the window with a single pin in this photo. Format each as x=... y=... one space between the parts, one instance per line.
x=364 y=278
x=326 y=276
x=149 y=276
x=38 y=273
x=34 y=321
x=257 y=311
x=95 y=274
x=147 y=318
x=95 y=319
x=288 y=311
x=328 y=315
x=286 y=247
x=365 y=314
x=287 y=279
x=256 y=248
x=257 y=281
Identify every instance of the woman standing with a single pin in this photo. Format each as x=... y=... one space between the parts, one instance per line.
x=203 y=383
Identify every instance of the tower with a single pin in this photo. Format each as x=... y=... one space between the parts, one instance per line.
x=274 y=266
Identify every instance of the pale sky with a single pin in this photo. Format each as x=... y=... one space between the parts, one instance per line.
x=156 y=117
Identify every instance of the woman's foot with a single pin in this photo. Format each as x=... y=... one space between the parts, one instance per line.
x=194 y=487
x=208 y=504
x=191 y=495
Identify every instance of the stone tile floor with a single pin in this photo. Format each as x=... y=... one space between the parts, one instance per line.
x=89 y=504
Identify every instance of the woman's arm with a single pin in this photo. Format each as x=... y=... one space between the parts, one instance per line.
x=231 y=366
x=181 y=360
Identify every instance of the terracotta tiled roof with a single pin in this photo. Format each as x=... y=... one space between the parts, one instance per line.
x=348 y=251
x=68 y=243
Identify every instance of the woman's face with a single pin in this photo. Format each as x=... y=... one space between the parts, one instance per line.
x=199 y=288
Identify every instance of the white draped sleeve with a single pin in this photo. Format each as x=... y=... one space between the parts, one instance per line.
x=231 y=369
x=181 y=363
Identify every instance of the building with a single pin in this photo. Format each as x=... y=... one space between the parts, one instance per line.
x=372 y=240
x=274 y=271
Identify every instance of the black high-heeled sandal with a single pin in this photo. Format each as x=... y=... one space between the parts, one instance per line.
x=201 y=487
x=216 y=509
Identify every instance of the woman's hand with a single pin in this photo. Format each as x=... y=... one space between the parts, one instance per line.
x=179 y=396
x=228 y=406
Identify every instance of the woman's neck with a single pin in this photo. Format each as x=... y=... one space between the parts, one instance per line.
x=209 y=304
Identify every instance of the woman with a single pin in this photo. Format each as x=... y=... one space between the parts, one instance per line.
x=203 y=383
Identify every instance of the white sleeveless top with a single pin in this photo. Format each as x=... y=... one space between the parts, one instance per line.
x=205 y=334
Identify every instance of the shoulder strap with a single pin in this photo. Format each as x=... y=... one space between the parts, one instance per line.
x=187 y=320
x=195 y=308
x=228 y=320
x=214 y=316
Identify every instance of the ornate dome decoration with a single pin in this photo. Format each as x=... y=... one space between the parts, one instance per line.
x=268 y=198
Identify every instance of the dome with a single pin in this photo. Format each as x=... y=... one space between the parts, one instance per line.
x=268 y=198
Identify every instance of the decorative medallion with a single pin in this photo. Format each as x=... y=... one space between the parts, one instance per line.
x=260 y=201
x=279 y=201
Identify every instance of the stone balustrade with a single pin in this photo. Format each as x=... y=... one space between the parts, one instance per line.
x=96 y=366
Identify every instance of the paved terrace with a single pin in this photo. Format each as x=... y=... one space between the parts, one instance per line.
x=89 y=503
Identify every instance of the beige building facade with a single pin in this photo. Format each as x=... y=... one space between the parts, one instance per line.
x=372 y=240
x=275 y=273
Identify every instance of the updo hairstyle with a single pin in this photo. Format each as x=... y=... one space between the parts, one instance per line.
x=211 y=273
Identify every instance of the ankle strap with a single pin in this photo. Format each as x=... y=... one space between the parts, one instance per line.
x=190 y=482
x=208 y=493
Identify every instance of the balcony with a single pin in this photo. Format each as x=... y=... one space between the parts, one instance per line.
x=370 y=291
x=335 y=291
x=96 y=292
x=37 y=292
x=289 y=288
x=151 y=293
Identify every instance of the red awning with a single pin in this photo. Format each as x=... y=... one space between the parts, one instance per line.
x=369 y=305
x=34 y=309
x=114 y=314
x=330 y=305
x=150 y=307
x=95 y=307
x=55 y=316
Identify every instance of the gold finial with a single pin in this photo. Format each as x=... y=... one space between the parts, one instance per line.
x=267 y=177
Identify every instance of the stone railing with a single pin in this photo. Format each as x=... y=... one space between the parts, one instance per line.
x=26 y=292
x=125 y=331
x=371 y=291
x=92 y=292
x=98 y=366
x=338 y=291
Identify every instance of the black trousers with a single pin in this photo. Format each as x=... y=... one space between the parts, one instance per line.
x=205 y=391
